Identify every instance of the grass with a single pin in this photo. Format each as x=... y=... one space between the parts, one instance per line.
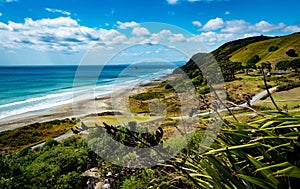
x=33 y=134
x=262 y=49
x=290 y=98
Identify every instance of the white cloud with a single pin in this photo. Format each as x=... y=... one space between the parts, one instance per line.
x=197 y=23
x=140 y=31
x=292 y=29
x=58 y=34
x=266 y=27
x=0 y=14
x=227 y=12
x=236 y=26
x=58 y=11
x=126 y=25
x=241 y=26
x=65 y=34
x=172 y=2
x=213 y=24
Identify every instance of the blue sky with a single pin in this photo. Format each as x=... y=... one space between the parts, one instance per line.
x=76 y=31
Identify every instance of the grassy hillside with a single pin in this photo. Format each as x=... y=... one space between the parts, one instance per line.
x=224 y=51
x=261 y=48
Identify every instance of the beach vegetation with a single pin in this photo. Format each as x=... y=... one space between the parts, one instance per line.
x=33 y=134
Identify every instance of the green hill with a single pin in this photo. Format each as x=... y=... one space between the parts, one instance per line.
x=225 y=50
x=269 y=49
x=261 y=49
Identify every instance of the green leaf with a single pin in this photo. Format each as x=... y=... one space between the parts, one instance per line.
x=284 y=164
x=269 y=123
x=291 y=171
x=233 y=148
x=257 y=181
x=281 y=127
x=265 y=173
x=281 y=145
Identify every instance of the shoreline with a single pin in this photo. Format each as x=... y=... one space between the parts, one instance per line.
x=82 y=108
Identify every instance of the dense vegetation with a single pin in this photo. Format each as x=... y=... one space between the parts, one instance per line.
x=54 y=166
x=258 y=154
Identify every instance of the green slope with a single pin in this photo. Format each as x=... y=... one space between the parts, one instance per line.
x=225 y=50
x=261 y=48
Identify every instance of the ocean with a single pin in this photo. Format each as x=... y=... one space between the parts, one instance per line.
x=32 y=89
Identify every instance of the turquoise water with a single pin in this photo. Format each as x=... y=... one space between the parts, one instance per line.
x=26 y=89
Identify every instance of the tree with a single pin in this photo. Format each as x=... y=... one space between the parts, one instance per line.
x=295 y=64
x=229 y=69
x=283 y=65
x=251 y=63
x=292 y=53
x=266 y=65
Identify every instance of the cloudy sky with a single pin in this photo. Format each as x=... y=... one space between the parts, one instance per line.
x=69 y=32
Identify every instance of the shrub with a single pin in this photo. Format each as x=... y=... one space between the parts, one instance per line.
x=197 y=80
x=288 y=86
x=148 y=96
x=292 y=53
x=204 y=90
x=282 y=65
x=253 y=60
x=273 y=48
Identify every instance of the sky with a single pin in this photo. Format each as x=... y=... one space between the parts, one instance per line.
x=60 y=32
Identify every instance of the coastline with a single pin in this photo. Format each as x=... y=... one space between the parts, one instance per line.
x=83 y=107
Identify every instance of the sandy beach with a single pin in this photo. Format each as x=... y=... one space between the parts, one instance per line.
x=114 y=101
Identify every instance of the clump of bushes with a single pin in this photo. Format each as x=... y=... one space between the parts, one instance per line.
x=148 y=96
x=273 y=48
x=292 y=53
x=288 y=86
x=204 y=90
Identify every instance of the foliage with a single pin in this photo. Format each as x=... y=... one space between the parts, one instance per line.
x=148 y=96
x=204 y=90
x=295 y=64
x=283 y=65
x=253 y=60
x=292 y=53
x=260 y=154
x=58 y=167
x=229 y=69
x=288 y=86
x=140 y=181
x=198 y=80
x=273 y=48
